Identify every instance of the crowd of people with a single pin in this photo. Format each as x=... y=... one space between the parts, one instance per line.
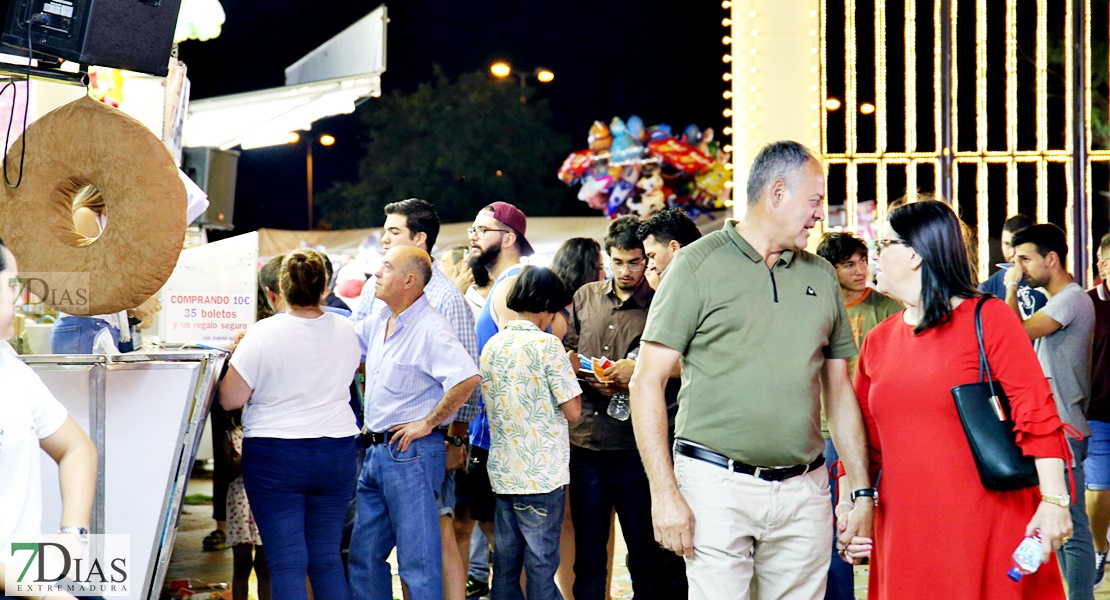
x=758 y=417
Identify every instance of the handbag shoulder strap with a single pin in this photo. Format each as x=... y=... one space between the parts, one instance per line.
x=984 y=364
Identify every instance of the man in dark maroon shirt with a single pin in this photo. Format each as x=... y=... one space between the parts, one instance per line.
x=1097 y=465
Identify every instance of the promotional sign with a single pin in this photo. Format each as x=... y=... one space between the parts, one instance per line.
x=212 y=293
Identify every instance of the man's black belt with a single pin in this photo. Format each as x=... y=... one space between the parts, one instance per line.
x=764 y=473
x=371 y=438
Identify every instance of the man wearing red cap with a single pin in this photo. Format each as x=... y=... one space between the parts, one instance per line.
x=497 y=244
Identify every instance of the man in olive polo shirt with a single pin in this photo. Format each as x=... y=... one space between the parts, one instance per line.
x=760 y=327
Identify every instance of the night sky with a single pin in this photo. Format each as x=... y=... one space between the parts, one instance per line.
x=658 y=59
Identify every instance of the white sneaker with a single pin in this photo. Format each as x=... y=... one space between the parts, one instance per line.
x=1100 y=569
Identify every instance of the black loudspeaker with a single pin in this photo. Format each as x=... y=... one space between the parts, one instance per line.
x=136 y=35
x=214 y=171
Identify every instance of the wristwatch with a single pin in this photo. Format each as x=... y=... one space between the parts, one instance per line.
x=80 y=533
x=866 y=493
x=1063 y=500
x=454 y=440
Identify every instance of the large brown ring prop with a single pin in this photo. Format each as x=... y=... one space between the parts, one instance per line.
x=87 y=142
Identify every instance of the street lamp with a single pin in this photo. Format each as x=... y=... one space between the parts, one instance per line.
x=501 y=70
x=324 y=140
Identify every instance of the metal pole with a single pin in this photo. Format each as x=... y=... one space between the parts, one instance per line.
x=308 y=171
x=947 y=152
x=1080 y=227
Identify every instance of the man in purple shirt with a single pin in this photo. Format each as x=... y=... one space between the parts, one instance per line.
x=422 y=374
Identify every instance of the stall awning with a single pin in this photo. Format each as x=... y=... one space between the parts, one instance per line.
x=265 y=117
x=326 y=82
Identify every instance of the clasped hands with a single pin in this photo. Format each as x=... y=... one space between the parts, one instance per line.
x=853 y=530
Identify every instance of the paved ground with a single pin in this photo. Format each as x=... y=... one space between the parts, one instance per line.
x=188 y=561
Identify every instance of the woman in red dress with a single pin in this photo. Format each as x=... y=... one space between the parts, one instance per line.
x=938 y=532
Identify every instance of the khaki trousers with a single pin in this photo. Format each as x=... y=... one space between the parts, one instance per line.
x=747 y=531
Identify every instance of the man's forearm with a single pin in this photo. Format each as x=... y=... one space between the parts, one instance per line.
x=649 y=423
x=452 y=400
x=850 y=438
x=1012 y=298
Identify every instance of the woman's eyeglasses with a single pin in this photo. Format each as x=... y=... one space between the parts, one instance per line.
x=882 y=243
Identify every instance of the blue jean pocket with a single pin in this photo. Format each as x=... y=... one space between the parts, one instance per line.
x=530 y=516
x=65 y=340
x=412 y=454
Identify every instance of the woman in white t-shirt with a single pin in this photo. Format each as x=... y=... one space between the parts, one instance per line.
x=293 y=372
x=30 y=419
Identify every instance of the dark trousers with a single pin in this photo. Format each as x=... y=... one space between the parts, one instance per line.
x=299 y=491
x=220 y=476
x=599 y=482
x=842 y=585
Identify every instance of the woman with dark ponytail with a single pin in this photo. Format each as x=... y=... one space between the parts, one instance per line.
x=292 y=372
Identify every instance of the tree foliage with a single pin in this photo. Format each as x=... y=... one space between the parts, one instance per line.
x=459 y=144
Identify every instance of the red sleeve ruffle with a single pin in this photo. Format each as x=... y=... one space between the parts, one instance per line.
x=1039 y=431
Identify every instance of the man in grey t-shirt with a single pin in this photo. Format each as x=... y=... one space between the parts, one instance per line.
x=1062 y=333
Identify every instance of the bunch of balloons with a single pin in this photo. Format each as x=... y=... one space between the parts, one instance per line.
x=632 y=169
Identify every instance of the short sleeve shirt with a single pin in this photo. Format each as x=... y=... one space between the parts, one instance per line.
x=867 y=312
x=450 y=302
x=1029 y=299
x=300 y=371
x=526 y=376
x=864 y=314
x=753 y=341
x=1065 y=354
x=28 y=413
x=409 y=373
x=603 y=325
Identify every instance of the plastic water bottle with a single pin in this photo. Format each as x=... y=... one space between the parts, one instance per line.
x=1027 y=557
x=619 y=407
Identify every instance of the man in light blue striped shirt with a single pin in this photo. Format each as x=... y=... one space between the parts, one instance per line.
x=414 y=222
x=419 y=375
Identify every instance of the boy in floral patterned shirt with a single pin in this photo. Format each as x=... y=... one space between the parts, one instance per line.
x=530 y=391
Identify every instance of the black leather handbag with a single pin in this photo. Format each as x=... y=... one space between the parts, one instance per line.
x=985 y=414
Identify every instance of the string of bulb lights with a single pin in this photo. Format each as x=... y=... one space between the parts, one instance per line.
x=726 y=132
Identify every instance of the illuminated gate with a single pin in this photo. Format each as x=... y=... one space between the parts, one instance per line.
x=1054 y=148
x=986 y=103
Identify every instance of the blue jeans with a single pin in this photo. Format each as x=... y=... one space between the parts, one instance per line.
x=841 y=578
x=396 y=507
x=75 y=335
x=599 y=482
x=478 y=570
x=1077 y=557
x=526 y=534
x=298 y=491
